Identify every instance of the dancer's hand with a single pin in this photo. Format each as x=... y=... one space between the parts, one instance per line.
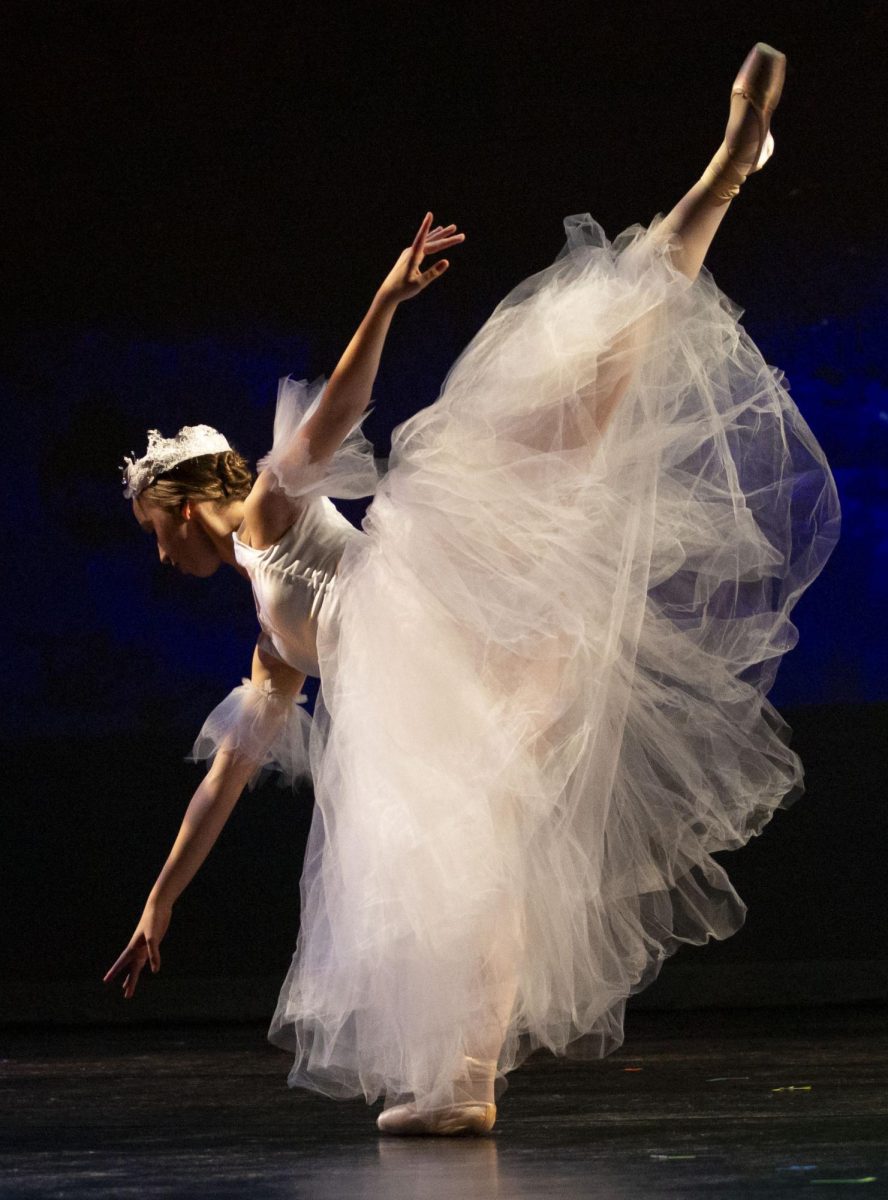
x=144 y=946
x=405 y=278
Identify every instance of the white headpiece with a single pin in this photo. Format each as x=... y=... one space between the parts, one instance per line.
x=164 y=453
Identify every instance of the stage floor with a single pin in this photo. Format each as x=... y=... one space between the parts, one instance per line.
x=741 y=1103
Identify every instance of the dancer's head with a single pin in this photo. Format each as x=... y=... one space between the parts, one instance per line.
x=188 y=491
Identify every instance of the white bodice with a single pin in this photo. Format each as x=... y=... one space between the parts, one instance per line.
x=295 y=579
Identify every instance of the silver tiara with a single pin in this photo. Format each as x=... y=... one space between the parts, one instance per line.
x=164 y=453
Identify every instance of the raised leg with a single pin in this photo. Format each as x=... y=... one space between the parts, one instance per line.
x=692 y=223
x=694 y=219
x=700 y=211
x=746 y=147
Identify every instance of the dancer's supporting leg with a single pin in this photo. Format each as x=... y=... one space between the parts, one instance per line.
x=499 y=976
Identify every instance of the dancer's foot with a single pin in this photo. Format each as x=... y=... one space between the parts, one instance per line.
x=748 y=143
x=473 y=1110
x=455 y=1119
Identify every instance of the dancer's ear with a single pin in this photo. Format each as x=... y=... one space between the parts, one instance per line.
x=186 y=510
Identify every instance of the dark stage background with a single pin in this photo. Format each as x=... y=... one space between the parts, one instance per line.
x=202 y=197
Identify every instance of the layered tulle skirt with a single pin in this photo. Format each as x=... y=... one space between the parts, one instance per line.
x=543 y=688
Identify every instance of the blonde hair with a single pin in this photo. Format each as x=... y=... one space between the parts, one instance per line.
x=222 y=477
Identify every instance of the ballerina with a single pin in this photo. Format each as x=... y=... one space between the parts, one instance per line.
x=544 y=658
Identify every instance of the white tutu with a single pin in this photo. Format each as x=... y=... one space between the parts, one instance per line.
x=542 y=702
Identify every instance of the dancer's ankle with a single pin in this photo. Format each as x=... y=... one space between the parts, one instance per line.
x=476 y=1083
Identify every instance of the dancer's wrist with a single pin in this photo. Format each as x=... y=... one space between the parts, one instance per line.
x=386 y=299
x=159 y=899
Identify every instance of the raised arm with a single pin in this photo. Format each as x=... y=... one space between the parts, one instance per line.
x=348 y=390
x=209 y=809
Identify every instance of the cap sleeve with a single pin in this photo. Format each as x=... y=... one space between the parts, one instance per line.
x=351 y=472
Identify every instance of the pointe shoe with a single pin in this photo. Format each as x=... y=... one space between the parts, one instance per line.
x=471 y=1116
x=758 y=86
x=455 y=1119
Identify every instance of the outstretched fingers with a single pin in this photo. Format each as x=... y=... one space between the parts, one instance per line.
x=438 y=232
x=135 y=958
x=407 y=277
x=442 y=242
x=431 y=241
x=417 y=249
x=119 y=963
x=129 y=984
x=136 y=963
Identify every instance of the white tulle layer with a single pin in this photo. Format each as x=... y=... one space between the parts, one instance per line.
x=263 y=726
x=350 y=473
x=543 y=701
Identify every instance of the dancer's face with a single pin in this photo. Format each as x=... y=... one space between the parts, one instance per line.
x=182 y=540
